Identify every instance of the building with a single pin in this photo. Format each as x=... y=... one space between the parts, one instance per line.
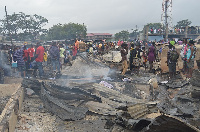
x=98 y=36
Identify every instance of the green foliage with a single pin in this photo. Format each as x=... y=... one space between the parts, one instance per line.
x=23 y=27
x=134 y=33
x=67 y=31
x=123 y=35
x=183 y=23
x=155 y=25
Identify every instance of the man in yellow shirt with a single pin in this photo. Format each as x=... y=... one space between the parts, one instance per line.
x=45 y=57
x=62 y=56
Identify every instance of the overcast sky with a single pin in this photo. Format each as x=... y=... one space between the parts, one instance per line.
x=104 y=16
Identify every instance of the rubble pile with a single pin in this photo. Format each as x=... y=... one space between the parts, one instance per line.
x=89 y=96
x=84 y=67
x=123 y=111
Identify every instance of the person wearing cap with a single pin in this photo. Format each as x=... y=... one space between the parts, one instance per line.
x=171 y=62
x=190 y=58
x=62 y=54
x=124 y=52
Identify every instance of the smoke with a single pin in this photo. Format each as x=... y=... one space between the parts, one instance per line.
x=4 y=63
x=83 y=71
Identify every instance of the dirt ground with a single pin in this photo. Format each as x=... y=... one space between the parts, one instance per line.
x=6 y=90
x=35 y=118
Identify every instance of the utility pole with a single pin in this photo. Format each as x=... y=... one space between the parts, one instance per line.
x=166 y=23
x=8 y=27
x=166 y=17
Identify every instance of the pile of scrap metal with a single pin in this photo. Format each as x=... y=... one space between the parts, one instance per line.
x=139 y=118
x=74 y=103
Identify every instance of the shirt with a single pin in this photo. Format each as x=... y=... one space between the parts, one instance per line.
x=31 y=52
x=54 y=52
x=77 y=44
x=137 y=53
x=45 y=56
x=26 y=55
x=40 y=53
x=62 y=50
x=19 y=57
x=124 y=53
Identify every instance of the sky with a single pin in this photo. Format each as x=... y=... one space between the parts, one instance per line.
x=103 y=16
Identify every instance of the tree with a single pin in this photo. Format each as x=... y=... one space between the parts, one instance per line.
x=23 y=27
x=154 y=26
x=134 y=33
x=183 y=23
x=67 y=31
x=124 y=35
x=12 y=25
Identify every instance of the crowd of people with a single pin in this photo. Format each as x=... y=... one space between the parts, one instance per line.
x=141 y=53
x=58 y=54
x=54 y=56
x=37 y=57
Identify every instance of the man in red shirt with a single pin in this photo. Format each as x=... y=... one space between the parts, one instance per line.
x=31 y=51
x=26 y=59
x=39 y=58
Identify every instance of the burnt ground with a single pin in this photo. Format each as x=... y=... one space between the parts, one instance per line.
x=35 y=118
x=171 y=98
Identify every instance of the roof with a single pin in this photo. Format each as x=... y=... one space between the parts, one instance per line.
x=90 y=34
x=99 y=34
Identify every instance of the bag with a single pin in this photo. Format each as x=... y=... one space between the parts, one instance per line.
x=174 y=56
x=14 y=64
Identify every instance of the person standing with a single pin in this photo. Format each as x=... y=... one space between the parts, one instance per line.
x=144 y=56
x=45 y=57
x=77 y=45
x=31 y=51
x=124 y=52
x=62 y=55
x=184 y=56
x=172 y=57
x=190 y=58
x=26 y=59
x=20 y=61
x=131 y=57
x=151 y=56
x=55 y=56
x=137 y=54
x=39 y=57
x=74 y=52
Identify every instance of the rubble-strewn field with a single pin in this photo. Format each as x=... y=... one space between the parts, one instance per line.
x=91 y=97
